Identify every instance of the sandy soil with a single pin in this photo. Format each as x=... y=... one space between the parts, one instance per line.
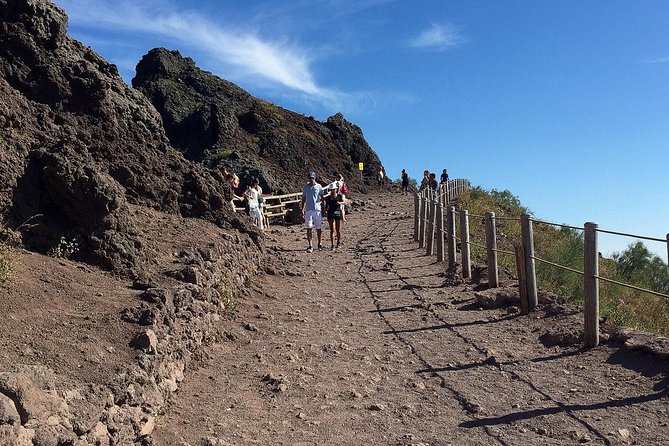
x=376 y=345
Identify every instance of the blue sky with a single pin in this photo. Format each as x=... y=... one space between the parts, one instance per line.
x=564 y=103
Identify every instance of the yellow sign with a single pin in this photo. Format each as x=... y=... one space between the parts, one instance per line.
x=360 y=167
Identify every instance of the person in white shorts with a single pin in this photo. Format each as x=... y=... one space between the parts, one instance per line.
x=312 y=195
x=343 y=190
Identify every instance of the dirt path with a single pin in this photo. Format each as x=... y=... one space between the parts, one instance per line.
x=374 y=345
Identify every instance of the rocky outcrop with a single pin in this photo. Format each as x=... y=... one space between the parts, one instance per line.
x=215 y=122
x=174 y=326
x=77 y=145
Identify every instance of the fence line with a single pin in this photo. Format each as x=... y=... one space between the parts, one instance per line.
x=447 y=194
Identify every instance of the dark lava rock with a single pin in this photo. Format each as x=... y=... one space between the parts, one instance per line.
x=78 y=147
x=214 y=121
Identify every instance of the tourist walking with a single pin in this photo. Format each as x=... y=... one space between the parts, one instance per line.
x=381 y=178
x=444 y=177
x=251 y=196
x=405 y=182
x=333 y=213
x=343 y=190
x=425 y=182
x=312 y=194
x=433 y=185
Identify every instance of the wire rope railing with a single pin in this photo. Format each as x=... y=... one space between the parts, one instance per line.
x=442 y=225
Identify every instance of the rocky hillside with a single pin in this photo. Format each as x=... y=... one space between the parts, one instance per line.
x=215 y=122
x=78 y=146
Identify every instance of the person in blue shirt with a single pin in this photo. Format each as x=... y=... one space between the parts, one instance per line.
x=312 y=195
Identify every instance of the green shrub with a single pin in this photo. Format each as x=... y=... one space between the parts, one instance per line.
x=65 y=248
x=564 y=246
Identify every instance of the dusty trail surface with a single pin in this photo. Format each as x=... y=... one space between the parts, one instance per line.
x=376 y=344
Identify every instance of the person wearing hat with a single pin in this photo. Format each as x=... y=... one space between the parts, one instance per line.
x=312 y=195
x=333 y=212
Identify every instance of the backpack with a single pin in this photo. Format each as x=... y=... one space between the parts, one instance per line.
x=344 y=189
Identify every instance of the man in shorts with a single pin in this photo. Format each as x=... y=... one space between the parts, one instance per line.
x=312 y=195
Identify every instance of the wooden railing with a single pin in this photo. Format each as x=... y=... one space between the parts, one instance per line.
x=435 y=222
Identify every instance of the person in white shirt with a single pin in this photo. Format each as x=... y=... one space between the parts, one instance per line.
x=255 y=212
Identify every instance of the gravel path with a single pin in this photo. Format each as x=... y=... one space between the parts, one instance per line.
x=376 y=345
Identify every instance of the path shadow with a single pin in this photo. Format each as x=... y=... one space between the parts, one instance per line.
x=566 y=408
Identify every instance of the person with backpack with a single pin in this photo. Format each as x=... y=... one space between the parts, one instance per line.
x=405 y=182
x=333 y=212
x=343 y=190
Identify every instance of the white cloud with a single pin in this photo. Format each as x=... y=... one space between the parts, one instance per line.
x=280 y=62
x=438 y=37
x=658 y=60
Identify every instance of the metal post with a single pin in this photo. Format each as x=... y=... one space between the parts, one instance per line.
x=591 y=285
x=530 y=270
x=416 y=216
x=464 y=247
x=440 y=231
x=451 y=236
x=491 y=245
x=668 y=252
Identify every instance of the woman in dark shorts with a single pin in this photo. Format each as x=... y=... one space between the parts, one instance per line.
x=333 y=212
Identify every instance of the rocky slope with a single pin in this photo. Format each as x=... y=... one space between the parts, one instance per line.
x=214 y=121
x=77 y=146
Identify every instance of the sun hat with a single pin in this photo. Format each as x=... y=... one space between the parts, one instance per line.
x=332 y=186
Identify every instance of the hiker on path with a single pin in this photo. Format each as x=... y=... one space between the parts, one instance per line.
x=405 y=182
x=425 y=182
x=433 y=184
x=333 y=212
x=312 y=194
x=251 y=196
x=381 y=177
x=444 y=177
x=343 y=190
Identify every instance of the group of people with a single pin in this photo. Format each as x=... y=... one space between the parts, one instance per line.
x=252 y=195
x=316 y=202
x=430 y=181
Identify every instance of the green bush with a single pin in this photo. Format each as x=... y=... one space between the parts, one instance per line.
x=564 y=246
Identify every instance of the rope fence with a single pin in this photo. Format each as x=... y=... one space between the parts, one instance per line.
x=435 y=223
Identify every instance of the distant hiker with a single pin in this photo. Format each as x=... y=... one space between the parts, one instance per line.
x=433 y=185
x=405 y=182
x=261 y=205
x=444 y=177
x=381 y=177
x=312 y=194
x=231 y=183
x=343 y=190
x=425 y=182
x=333 y=212
x=251 y=196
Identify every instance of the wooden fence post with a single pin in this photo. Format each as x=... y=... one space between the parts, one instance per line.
x=522 y=280
x=591 y=285
x=491 y=245
x=464 y=245
x=451 y=235
x=421 y=223
x=432 y=206
x=440 y=231
x=416 y=216
x=530 y=270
